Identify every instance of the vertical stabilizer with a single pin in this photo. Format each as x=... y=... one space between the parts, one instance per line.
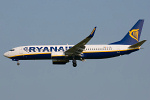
x=133 y=36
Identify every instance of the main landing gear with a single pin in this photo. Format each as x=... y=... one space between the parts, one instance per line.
x=74 y=63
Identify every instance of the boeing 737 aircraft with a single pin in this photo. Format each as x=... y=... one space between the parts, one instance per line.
x=62 y=54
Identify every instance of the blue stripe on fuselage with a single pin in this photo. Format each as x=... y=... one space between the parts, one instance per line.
x=101 y=55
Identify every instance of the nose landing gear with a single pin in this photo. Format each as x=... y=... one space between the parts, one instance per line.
x=18 y=63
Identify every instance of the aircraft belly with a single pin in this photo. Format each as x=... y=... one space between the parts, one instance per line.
x=33 y=57
x=101 y=55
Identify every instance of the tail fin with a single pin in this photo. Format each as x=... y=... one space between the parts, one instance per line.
x=133 y=36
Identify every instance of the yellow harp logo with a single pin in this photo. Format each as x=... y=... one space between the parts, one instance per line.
x=134 y=33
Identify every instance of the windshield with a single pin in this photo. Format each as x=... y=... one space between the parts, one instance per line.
x=12 y=50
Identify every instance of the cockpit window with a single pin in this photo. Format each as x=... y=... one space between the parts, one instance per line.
x=12 y=50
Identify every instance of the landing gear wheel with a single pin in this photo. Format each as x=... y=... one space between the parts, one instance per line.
x=18 y=63
x=74 y=63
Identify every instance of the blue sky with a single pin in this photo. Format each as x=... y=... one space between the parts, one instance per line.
x=33 y=22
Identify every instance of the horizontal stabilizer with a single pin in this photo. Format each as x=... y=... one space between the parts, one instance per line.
x=137 y=44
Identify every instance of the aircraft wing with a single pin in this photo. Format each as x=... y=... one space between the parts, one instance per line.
x=77 y=49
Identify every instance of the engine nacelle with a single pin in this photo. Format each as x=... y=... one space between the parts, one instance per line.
x=58 y=55
x=60 y=61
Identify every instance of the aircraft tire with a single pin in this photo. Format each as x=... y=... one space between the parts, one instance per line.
x=74 y=64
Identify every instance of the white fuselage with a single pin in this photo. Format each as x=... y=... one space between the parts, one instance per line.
x=48 y=49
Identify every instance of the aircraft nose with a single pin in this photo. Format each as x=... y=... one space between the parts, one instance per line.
x=6 y=54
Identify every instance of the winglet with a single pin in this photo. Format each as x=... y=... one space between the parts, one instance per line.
x=92 y=33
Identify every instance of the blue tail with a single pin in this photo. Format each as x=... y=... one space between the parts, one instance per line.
x=133 y=36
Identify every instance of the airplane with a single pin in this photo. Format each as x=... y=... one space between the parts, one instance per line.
x=62 y=54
